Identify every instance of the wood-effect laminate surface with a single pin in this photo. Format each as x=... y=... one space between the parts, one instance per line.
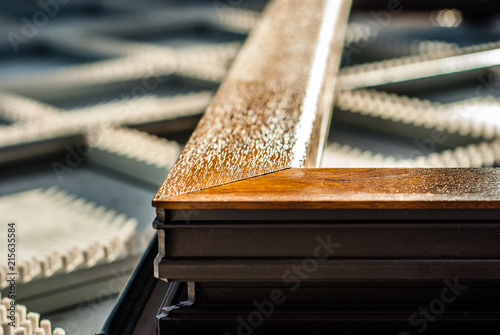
x=390 y=188
x=272 y=111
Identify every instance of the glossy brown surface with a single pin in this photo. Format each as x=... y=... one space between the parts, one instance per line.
x=272 y=111
x=460 y=188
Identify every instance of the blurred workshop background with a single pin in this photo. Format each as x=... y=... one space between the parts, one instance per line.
x=98 y=97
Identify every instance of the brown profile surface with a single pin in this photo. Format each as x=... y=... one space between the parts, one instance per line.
x=459 y=188
x=272 y=111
